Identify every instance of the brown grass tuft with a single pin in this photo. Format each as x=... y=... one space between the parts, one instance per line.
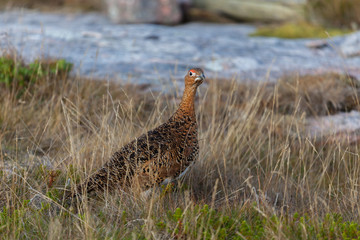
x=339 y=13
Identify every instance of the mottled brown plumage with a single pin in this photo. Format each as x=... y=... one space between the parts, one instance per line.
x=157 y=156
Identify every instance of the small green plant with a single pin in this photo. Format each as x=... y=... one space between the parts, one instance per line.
x=298 y=30
x=15 y=72
x=203 y=222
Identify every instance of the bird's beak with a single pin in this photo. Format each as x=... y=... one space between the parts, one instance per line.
x=200 y=78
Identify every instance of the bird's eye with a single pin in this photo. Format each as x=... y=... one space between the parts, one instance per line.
x=190 y=73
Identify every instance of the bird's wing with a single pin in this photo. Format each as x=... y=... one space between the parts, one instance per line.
x=119 y=170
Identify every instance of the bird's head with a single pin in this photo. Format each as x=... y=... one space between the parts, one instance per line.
x=194 y=77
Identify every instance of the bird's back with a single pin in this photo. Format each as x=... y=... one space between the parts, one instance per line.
x=158 y=155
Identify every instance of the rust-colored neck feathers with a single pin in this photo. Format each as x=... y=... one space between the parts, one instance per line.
x=186 y=109
x=187 y=105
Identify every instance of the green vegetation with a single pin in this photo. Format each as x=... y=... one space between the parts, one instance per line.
x=193 y=222
x=206 y=223
x=298 y=30
x=326 y=18
x=14 y=72
x=259 y=176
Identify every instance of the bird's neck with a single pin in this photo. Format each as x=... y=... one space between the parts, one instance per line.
x=187 y=105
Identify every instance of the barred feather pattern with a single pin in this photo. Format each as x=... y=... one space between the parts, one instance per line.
x=158 y=155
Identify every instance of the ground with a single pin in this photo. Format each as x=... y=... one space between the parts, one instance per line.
x=258 y=176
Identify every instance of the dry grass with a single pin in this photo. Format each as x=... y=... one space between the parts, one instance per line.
x=339 y=13
x=256 y=172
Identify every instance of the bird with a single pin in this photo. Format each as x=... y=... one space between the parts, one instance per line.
x=157 y=157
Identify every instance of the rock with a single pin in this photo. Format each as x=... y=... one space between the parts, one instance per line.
x=148 y=53
x=48 y=206
x=341 y=127
x=256 y=10
x=317 y=44
x=144 y=11
x=91 y=34
x=351 y=45
x=38 y=201
x=202 y=15
x=36 y=161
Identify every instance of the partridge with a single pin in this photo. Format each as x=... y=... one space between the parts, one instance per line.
x=158 y=156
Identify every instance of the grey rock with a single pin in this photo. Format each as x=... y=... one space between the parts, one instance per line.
x=256 y=10
x=35 y=161
x=351 y=45
x=144 y=11
x=38 y=201
x=155 y=54
x=332 y=124
x=48 y=206
x=317 y=44
x=341 y=127
x=8 y=170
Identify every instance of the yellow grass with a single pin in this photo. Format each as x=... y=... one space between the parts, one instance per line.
x=255 y=161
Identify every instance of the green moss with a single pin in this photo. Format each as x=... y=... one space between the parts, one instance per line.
x=298 y=30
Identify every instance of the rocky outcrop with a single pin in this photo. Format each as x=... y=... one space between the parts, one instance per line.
x=143 y=53
x=339 y=128
x=256 y=10
x=173 y=11
x=144 y=11
x=351 y=45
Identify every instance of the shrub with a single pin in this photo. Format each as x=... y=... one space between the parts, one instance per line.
x=15 y=73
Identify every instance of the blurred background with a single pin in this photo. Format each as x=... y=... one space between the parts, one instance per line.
x=139 y=39
x=330 y=13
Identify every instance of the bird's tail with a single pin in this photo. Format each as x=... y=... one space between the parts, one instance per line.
x=105 y=179
x=76 y=195
x=100 y=181
x=72 y=196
